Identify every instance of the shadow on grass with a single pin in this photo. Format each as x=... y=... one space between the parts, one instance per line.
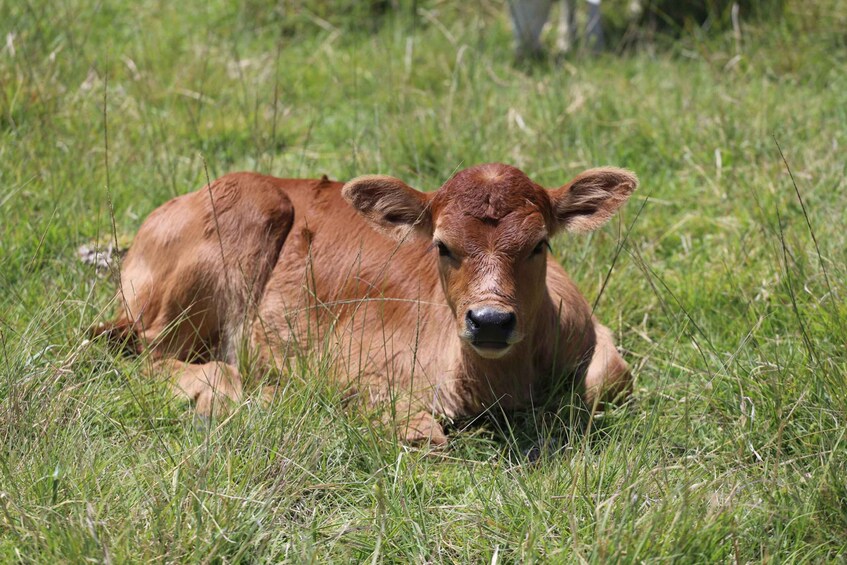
x=534 y=435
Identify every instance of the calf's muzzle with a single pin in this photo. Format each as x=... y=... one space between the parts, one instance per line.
x=490 y=328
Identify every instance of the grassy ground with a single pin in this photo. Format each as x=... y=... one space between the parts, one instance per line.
x=727 y=295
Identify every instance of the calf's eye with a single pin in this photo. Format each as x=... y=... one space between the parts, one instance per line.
x=443 y=250
x=542 y=245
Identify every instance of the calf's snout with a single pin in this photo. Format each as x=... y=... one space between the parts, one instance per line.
x=490 y=327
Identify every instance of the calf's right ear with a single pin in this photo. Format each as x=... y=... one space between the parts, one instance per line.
x=390 y=205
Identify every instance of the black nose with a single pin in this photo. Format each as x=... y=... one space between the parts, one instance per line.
x=490 y=327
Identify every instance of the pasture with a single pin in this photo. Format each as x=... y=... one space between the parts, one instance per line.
x=723 y=281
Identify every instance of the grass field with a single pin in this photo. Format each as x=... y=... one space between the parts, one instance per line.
x=727 y=294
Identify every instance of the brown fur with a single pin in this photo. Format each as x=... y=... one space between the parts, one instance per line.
x=288 y=266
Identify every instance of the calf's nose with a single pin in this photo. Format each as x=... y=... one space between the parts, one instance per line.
x=490 y=326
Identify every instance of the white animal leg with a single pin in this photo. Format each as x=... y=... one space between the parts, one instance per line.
x=566 y=34
x=528 y=19
x=594 y=27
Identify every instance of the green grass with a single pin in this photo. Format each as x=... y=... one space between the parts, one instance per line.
x=734 y=446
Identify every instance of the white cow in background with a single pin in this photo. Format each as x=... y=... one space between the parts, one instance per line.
x=530 y=16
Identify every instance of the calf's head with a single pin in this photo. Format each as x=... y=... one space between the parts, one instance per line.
x=490 y=228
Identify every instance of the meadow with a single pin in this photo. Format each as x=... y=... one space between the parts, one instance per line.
x=723 y=281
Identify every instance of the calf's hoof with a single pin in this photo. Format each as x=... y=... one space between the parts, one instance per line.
x=212 y=388
x=422 y=429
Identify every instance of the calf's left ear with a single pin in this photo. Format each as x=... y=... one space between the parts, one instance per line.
x=390 y=205
x=589 y=200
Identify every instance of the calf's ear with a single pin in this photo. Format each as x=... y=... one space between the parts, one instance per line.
x=390 y=205
x=589 y=200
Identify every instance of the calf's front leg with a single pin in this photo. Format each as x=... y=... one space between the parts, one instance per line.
x=608 y=377
x=211 y=387
x=422 y=428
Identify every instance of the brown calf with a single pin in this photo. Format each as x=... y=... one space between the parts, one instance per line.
x=450 y=306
